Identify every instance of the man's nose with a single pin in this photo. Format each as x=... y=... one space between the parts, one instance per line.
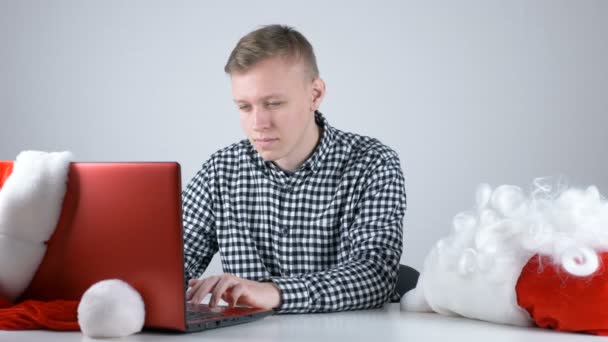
x=261 y=119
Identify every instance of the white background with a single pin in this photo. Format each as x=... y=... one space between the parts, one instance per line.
x=465 y=91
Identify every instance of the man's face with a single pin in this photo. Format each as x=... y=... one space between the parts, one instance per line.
x=277 y=99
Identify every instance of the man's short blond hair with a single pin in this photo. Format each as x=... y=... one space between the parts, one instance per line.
x=272 y=41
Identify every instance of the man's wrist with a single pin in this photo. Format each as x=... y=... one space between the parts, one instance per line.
x=295 y=296
x=275 y=294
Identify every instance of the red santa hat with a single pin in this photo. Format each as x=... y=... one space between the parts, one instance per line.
x=31 y=196
x=523 y=259
x=560 y=299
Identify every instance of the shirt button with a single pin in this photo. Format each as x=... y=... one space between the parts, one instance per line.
x=284 y=232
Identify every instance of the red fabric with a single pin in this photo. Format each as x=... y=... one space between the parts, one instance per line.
x=558 y=300
x=6 y=168
x=33 y=314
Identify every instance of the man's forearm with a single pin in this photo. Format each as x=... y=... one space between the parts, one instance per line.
x=365 y=282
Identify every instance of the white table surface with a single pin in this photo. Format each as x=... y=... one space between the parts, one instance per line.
x=382 y=325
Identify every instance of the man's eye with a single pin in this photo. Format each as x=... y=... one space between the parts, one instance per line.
x=244 y=107
x=274 y=104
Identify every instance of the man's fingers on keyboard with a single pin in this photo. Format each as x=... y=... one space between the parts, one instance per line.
x=237 y=292
x=221 y=287
x=204 y=288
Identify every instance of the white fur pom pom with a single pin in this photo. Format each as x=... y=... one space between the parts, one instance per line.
x=581 y=261
x=111 y=308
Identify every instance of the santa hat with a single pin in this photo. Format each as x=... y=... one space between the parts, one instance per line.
x=523 y=259
x=31 y=196
x=560 y=299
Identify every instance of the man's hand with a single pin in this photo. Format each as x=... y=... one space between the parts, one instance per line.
x=234 y=290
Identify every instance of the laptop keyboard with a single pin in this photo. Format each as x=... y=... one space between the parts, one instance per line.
x=202 y=311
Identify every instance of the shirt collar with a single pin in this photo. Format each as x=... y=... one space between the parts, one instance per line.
x=327 y=137
x=314 y=161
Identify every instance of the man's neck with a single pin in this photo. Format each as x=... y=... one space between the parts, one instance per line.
x=292 y=163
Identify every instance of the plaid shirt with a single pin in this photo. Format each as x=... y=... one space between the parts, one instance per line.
x=329 y=235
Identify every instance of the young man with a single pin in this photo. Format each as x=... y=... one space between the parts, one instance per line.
x=307 y=218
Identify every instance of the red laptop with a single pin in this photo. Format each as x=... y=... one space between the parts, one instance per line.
x=123 y=220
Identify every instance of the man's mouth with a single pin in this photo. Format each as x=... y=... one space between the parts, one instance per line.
x=266 y=142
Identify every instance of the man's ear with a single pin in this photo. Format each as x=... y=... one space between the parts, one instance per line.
x=318 y=93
